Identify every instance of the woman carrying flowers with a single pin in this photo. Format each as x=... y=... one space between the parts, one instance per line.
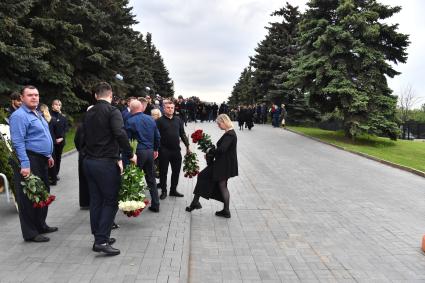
x=222 y=164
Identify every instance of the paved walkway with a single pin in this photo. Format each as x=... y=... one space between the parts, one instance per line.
x=301 y=211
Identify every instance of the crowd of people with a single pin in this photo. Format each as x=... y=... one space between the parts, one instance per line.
x=103 y=143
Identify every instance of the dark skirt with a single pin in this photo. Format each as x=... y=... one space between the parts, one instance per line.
x=206 y=187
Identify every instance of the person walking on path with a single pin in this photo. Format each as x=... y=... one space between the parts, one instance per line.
x=283 y=115
x=33 y=144
x=60 y=126
x=222 y=164
x=171 y=129
x=104 y=135
x=142 y=128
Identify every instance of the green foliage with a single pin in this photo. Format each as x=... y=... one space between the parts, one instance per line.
x=190 y=165
x=133 y=184
x=66 y=47
x=5 y=156
x=334 y=57
x=265 y=79
x=345 y=52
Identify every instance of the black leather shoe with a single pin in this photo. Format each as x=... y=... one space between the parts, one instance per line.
x=53 y=183
x=111 y=241
x=176 y=194
x=115 y=226
x=193 y=206
x=153 y=209
x=48 y=229
x=163 y=195
x=223 y=213
x=105 y=248
x=38 y=239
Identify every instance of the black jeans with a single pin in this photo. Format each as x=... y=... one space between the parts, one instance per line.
x=104 y=180
x=33 y=220
x=145 y=162
x=58 y=156
x=173 y=157
x=84 y=195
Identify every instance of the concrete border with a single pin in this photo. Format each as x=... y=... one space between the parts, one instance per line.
x=389 y=163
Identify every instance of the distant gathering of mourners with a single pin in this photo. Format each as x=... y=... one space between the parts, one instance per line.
x=103 y=140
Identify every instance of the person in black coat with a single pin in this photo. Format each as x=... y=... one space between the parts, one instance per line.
x=222 y=164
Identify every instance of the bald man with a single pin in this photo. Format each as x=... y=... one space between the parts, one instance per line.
x=142 y=128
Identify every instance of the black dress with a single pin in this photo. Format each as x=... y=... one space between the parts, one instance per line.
x=222 y=165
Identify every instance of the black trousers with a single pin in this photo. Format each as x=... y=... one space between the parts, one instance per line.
x=58 y=156
x=33 y=220
x=145 y=162
x=104 y=180
x=84 y=195
x=166 y=157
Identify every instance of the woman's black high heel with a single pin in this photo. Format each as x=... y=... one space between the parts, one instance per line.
x=193 y=206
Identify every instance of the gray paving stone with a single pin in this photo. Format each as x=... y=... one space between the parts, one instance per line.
x=315 y=213
x=301 y=212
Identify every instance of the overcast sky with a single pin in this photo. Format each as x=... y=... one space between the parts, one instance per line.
x=206 y=44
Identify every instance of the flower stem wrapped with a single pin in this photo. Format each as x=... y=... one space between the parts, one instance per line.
x=35 y=189
x=132 y=199
x=190 y=165
x=203 y=140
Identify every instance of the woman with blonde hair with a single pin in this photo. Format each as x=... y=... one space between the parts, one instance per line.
x=156 y=114
x=222 y=164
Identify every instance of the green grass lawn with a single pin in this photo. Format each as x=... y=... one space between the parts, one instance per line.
x=403 y=152
x=69 y=145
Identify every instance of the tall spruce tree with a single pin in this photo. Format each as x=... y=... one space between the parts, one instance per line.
x=51 y=28
x=346 y=53
x=19 y=56
x=163 y=85
x=285 y=33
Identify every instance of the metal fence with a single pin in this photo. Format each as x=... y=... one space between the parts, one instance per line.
x=412 y=130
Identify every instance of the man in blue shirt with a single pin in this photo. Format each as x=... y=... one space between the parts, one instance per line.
x=33 y=144
x=143 y=128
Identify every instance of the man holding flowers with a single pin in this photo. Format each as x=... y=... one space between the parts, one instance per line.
x=104 y=135
x=34 y=146
x=171 y=129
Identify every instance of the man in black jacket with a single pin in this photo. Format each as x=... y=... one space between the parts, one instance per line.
x=104 y=135
x=171 y=130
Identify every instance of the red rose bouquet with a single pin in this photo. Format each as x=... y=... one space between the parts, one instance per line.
x=190 y=165
x=203 y=140
x=36 y=191
x=131 y=197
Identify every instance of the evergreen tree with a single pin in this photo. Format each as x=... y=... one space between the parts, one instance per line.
x=345 y=55
x=243 y=90
x=19 y=56
x=52 y=30
x=155 y=64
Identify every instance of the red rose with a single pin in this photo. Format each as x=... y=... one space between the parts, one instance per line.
x=35 y=205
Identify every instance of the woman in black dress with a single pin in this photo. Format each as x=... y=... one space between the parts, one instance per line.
x=222 y=164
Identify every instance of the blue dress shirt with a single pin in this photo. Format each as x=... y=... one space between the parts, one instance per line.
x=30 y=131
x=143 y=128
